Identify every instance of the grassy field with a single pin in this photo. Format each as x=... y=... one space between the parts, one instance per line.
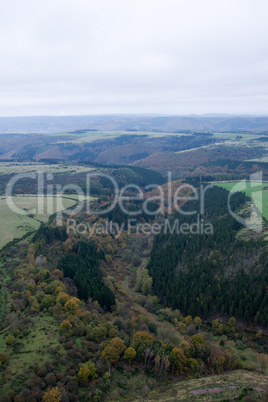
x=93 y=135
x=14 y=225
x=90 y=136
x=32 y=167
x=32 y=350
x=233 y=136
x=225 y=387
x=254 y=190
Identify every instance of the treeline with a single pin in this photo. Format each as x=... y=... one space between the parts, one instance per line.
x=83 y=268
x=234 y=164
x=123 y=175
x=134 y=210
x=47 y=235
x=205 y=274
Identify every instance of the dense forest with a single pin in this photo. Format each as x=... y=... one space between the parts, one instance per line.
x=208 y=274
x=83 y=268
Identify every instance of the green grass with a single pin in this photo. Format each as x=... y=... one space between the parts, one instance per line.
x=90 y=136
x=43 y=332
x=254 y=190
x=37 y=167
x=130 y=385
x=14 y=225
x=224 y=387
x=233 y=136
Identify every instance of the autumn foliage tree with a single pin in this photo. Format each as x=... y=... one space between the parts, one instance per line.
x=66 y=328
x=186 y=347
x=87 y=371
x=197 y=322
x=113 y=351
x=141 y=340
x=130 y=354
x=72 y=305
x=52 y=395
x=177 y=360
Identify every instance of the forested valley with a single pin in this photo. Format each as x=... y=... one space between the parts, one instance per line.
x=117 y=316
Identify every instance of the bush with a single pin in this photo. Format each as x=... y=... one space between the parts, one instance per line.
x=152 y=328
x=50 y=379
x=149 y=305
x=3 y=358
x=141 y=299
x=118 y=323
x=191 y=330
x=97 y=395
x=240 y=345
x=10 y=340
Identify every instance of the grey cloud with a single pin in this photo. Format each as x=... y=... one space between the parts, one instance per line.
x=155 y=56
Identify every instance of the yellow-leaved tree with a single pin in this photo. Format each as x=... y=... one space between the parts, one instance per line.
x=177 y=360
x=113 y=351
x=87 y=371
x=66 y=328
x=72 y=305
x=140 y=341
x=130 y=354
x=52 y=395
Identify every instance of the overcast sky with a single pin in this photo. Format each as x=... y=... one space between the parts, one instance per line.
x=62 y=57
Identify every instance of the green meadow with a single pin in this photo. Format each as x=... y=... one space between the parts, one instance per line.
x=7 y=168
x=16 y=225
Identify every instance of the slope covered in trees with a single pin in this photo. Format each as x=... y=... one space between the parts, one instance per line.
x=83 y=268
x=214 y=273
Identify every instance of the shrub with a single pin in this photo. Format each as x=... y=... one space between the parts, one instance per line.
x=152 y=328
x=10 y=340
x=3 y=358
x=50 y=379
x=191 y=330
x=240 y=345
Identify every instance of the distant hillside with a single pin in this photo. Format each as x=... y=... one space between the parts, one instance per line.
x=45 y=124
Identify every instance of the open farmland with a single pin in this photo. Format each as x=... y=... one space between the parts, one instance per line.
x=15 y=225
x=33 y=167
x=235 y=136
x=89 y=136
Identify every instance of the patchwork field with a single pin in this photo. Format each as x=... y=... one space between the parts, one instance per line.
x=89 y=136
